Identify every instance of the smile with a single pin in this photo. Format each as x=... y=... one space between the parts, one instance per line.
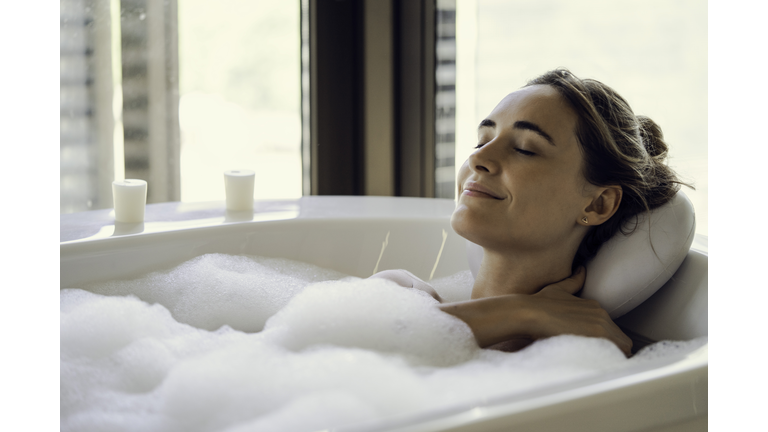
x=477 y=190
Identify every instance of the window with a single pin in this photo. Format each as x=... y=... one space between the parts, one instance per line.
x=175 y=93
x=87 y=91
x=240 y=96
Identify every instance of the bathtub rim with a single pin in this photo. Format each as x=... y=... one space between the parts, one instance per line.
x=581 y=400
x=178 y=216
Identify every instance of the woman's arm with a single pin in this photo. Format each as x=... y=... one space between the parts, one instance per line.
x=518 y=318
x=552 y=311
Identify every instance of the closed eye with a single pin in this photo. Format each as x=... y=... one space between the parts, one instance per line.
x=519 y=150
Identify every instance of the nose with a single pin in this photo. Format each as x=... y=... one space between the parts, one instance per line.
x=484 y=159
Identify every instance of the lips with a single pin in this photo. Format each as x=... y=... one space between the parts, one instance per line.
x=476 y=189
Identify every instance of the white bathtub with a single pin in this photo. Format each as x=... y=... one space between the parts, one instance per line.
x=347 y=233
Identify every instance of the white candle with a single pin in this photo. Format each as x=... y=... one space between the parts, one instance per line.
x=130 y=198
x=238 y=185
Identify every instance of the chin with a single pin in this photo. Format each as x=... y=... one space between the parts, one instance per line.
x=463 y=225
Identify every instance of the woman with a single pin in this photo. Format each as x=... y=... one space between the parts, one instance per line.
x=559 y=167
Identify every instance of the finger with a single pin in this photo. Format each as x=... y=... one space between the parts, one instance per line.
x=621 y=340
x=573 y=284
x=626 y=345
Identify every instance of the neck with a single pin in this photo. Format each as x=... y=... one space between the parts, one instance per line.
x=507 y=272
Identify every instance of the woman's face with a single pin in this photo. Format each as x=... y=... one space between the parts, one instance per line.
x=523 y=186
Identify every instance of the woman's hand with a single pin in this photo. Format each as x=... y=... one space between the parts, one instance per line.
x=406 y=279
x=559 y=311
x=552 y=311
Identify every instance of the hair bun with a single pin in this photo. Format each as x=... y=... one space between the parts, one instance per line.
x=653 y=138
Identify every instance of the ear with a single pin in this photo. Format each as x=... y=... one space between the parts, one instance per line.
x=604 y=204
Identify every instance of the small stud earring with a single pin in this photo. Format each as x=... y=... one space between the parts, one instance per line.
x=585 y=220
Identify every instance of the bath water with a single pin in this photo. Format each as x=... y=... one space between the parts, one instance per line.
x=244 y=343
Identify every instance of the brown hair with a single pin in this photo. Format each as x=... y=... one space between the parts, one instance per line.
x=619 y=148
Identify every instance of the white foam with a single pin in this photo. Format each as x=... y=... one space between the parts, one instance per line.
x=339 y=353
x=457 y=287
x=374 y=314
x=216 y=289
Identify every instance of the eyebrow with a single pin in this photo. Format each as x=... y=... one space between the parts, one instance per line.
x=487 y=123
x=520 y=124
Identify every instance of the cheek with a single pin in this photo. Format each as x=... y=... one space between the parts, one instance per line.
x=549 y=200
x=464 y=172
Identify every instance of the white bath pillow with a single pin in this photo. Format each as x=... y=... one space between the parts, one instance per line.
x=627 y=269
